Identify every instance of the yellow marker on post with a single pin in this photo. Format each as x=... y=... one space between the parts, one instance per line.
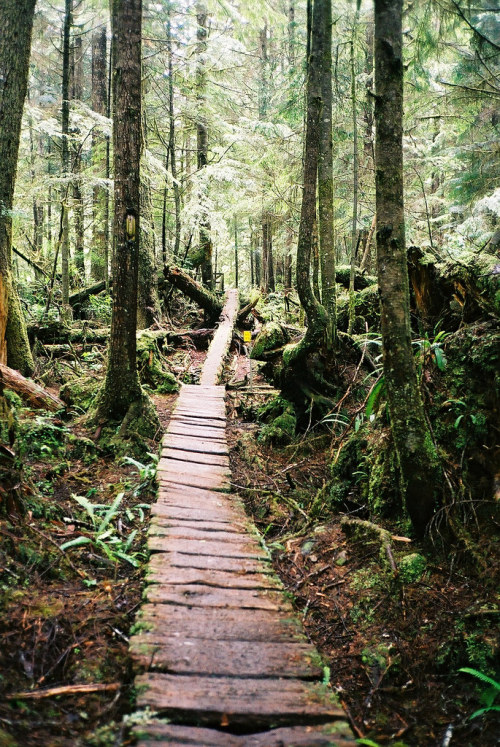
x=247 y=337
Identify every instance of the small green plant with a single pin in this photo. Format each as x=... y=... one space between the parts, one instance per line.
x=489 y=694
x=105 y=537
x=431 y=351
x=147 y=472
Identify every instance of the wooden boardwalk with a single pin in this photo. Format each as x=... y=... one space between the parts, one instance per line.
x=222 y=658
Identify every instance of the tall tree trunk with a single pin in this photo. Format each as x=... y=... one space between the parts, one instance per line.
x=202 y=143
x=78 y=207
x=121 y=387
x=99 y=100
x=325 y=182
x=171 y=137
x=354 y=229
x=317 y=316
x=148 y=304
x=236 y=268
x=417 y=455
x=65 y=165
x=16 y=22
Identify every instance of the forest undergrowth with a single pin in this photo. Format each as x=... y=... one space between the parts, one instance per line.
x=395 y=620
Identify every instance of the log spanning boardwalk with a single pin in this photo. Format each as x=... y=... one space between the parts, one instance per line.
x=223 y=659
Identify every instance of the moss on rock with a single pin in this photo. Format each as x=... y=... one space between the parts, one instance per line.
x=270 y=337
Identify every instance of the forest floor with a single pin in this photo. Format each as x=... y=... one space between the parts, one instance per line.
x=392 y=649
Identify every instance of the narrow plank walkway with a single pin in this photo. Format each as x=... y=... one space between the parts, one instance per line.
x=222 y=658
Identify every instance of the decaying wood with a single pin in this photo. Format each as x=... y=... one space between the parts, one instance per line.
x=368 y=527
x=57 y=333
x=32 y=394
x=245 y=311
x=50 y=692
x=207 y=300
x=79 y=297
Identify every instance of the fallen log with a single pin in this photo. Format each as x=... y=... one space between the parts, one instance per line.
x=79 y=297
x=245 y=311
x=207 y=300
x=32 y=394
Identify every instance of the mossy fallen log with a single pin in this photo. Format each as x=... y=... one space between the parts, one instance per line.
x=30 y=393
x=204 y=298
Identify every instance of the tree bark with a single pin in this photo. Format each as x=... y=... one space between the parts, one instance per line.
x=325 y=183
x=16 y=22
x=65 y=165
x=148 y=305
x=316 y=314
x=205 y=253
x=121 y=387
x=99 y=100
x=417 y=455
x=32 y=394
x=355 y=184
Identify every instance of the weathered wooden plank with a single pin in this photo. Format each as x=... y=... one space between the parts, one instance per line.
x=156 y=733
x=185 y=560
x=197 y=595
x=175 y=498
x=200 y=410
x=178 y=466
x=196 y=431
x=199 y=496
x=240 y=702
x=203 y=534
x=213 y=623
x=216 y=513
x=194 y=457
x=169 y=574
x=200 y=421
x=198 y=445
x=207 y=524
x=229 y=658
x=209 y=482
x=216 y=548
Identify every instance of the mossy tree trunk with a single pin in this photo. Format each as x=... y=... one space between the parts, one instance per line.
x=148 y=305
x=121 y=388
x=416 y=452
x=325 y=183
x=16 y=22
x=317 y=315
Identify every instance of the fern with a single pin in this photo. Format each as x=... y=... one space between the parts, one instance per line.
x=489 y=695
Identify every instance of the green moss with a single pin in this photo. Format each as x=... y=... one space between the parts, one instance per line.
x=270 y=337
x=79 y=392
x=152 y=366
x=412 y=567
x=281 y=422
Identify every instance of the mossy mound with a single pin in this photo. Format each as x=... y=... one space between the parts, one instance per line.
x=270 y=337
x=79 y=392
x=152 y=367
x=281 y=422
x=411 y=568
x=367 y=310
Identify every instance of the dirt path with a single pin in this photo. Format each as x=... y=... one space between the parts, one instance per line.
x=221 y=653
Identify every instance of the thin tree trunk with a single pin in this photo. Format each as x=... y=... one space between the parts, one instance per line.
x=16 y=23
x=202 y=144
x=148 y=304
x=171 y=137
x=417 y=455
x=65 y=165
x=236 y=268
x=99 y=99
x=355 y=185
